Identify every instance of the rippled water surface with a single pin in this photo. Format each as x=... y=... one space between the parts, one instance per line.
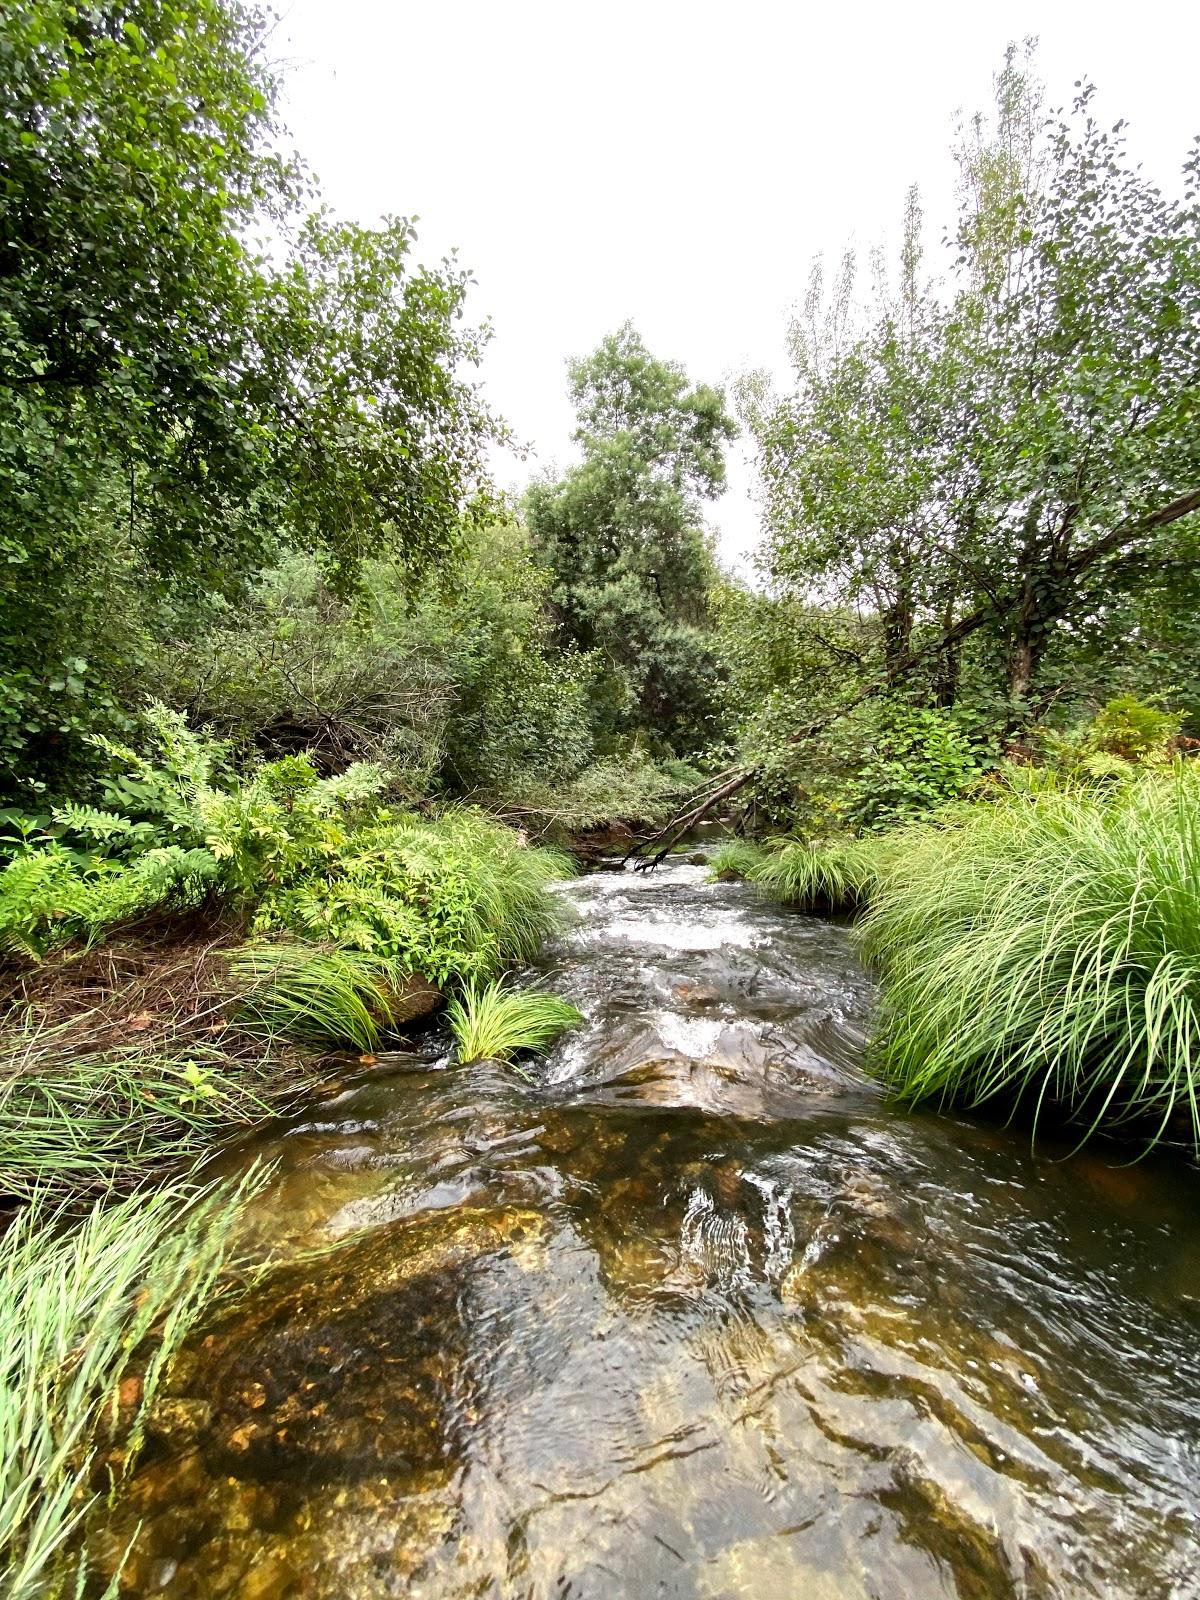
x=688 y=1312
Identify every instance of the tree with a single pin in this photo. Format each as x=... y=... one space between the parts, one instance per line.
x=177 y=405
x=853 y=461
x=623 y=536
x=1084 y=392
x=991 y=464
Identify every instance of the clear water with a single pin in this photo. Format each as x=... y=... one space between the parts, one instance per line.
x=690 y=1313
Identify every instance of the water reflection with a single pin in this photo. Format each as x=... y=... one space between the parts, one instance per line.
x=694 y=1315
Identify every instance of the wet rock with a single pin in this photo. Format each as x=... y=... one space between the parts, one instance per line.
x=271 y=1579
x=178 y=1421
x=411 y=999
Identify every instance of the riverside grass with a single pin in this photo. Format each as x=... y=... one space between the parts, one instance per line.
x=493 y=1022
x=319 y=996
x=1045 y=952
x=833 y=875
x=1038 y=950
x=77 y=1302
x=74 y=1125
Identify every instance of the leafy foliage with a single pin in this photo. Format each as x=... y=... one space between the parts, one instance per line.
x=452 y=899
x=169 y=395
x=623 y=538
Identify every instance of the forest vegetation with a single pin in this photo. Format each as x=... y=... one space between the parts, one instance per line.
x=299 y=716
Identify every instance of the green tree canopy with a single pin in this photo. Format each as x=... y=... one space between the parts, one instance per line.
x=1010 y=457
x=624 y=537
x=189 y=382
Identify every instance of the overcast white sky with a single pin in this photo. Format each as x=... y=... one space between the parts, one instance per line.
x=679 y=164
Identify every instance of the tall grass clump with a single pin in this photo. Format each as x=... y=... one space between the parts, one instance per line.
x=1045 y=952
x=830 y=875
x=491 y=1022
x=72 y=1124
x=320 y=996
x=734 y=858
x=78 y=1305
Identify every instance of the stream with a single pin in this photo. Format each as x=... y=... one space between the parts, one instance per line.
x=686 y=1310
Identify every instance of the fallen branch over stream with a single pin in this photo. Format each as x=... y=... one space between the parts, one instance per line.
x=700 y=806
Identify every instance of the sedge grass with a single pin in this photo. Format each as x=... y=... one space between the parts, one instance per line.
x=829 y=875
x=734 y=858
x=87 y=1123
x=1045 y=952
x=493 y=1022
x=77 y=1304
x=320 y=996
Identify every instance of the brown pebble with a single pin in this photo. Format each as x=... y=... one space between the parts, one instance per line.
x=271 y=1579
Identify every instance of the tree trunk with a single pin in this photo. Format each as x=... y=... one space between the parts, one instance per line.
x=897 y=635
x=949 y=662
x=1035 y=611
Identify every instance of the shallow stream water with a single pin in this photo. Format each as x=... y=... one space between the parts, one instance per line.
x=688 y=1311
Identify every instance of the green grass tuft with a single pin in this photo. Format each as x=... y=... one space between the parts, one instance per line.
x=493 y=1022
x=734 y=858
x=832 y=875
x=76 y=1306
x=319 y=996
x=1046 y=951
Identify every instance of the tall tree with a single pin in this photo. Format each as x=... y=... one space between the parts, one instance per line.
x=624 y=537
x=990 y=461
x=176 y=404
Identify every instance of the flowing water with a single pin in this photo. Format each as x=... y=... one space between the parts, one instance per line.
x=685 y=1311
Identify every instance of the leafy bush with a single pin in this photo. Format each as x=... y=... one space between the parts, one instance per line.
x=899 y=762
x=1124 y=734
x=494 y=1022
x=628 y=788
x=50 y=895
x=456 y=689
x=454 y=898
x=1046 y=951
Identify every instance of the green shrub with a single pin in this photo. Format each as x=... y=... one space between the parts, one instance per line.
x=50 y=896
x=1126 y=734
x=1046 y=951
x=628 y=788
x=453 y=898
x=901 y=762
x=494 y=1022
